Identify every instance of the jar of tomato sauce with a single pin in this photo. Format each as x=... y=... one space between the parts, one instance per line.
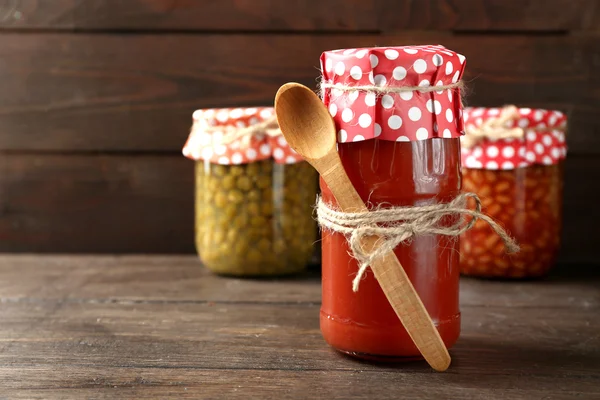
x=513 y=159
x=399 y=117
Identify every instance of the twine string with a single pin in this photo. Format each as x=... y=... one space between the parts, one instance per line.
x=268 y=127
x=400 y=224
x=494 y=128
x=385 y=89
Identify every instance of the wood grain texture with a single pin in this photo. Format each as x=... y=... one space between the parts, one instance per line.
x=312 y=15
x=82 y=279
x=55 y=346
x=125 y=203
x=96 y=203
x=190 y=15
x=490 y=15
x=80 y=92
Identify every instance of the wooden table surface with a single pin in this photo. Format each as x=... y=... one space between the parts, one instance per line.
x=86 y=327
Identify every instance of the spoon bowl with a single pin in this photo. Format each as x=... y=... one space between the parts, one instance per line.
x=305 y=120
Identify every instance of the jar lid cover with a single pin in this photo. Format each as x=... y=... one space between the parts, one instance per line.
x=394 y=93
x=215 y=137
x=511 y=137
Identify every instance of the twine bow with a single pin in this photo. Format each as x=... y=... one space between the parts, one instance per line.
x=399 y=224
x=493 y=128
x=269 y=127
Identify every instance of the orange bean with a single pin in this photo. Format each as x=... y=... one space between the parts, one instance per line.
x=482 y=269
x=501 y=263
x=477 y=250
x=494 y=210
x=485 y=259
x=490 y=176
x=499 y=249
x=503 y=199
x=491 y=241
x=484 y=191
x=466 y=245
x=502 y=186
x=486 y=202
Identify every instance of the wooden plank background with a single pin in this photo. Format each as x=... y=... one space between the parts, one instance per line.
x=97 y=97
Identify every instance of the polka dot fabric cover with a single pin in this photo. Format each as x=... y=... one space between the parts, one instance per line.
x=543 y=142
x=406 y=116
x=199 y=145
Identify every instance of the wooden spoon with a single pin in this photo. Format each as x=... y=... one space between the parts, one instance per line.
x=310 y=130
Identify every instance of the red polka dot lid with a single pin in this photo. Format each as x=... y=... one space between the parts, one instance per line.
x=538 y=138
x=394 y=93
x=205 y=141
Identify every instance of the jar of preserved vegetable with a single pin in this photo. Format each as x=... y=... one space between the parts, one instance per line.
x=399 y=117
x=513 y=159
x=254 y=194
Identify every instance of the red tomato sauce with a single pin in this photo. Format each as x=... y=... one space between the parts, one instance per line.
x=387 y=173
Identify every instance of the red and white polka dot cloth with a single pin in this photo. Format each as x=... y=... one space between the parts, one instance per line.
x=543 y=142
x=200 y=146
x=406 y=116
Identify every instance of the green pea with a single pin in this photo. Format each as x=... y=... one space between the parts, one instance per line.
x=244 y=183
x=213 y=185
x=218 y=170
x=228 y=182
x=254 y=256
x=220 y=199
x=263 y=182
x=235 y=196
x=240 y=221
x=253 y=169
x=258 y=221
x=236 y=170
x=230 y=212
x=253 y=208
x=266 y=167
x=264 y=245
x=232 y=235
x=240 y=247
x=218 y=236
x=254 y=195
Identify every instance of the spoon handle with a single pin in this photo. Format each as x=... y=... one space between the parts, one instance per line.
x=388 y=271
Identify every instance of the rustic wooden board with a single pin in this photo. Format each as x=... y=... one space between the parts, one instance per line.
x=96 y=203
x=110 y=92
x=182 y=280
x=191 y=383
x=55 y=346
x=88 y=203
x=186 y=15
x=490 y=15
x=532 y=341
x=312 y=15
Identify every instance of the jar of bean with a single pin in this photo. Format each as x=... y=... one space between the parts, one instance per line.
x=513 y=159
x=254 y=194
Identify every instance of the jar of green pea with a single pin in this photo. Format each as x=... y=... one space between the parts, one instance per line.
x=254 y=194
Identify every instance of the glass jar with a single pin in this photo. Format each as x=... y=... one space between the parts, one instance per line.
x=399 y=159
x=520 y=183
x=253 y=201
